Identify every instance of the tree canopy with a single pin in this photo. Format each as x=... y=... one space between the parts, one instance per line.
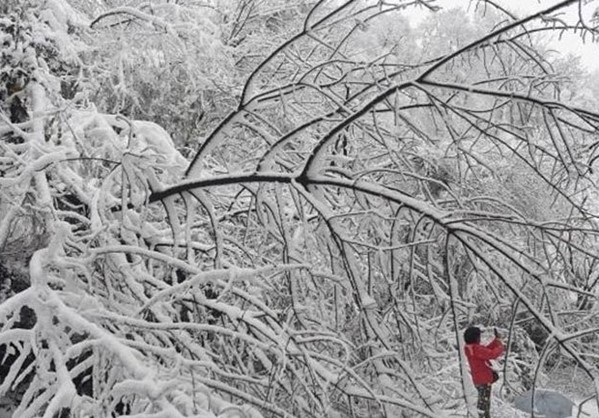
x=251 y=209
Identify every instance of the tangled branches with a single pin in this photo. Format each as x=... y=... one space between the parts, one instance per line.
x=326 y=244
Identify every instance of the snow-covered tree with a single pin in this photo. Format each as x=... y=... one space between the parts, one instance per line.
x=362 y=201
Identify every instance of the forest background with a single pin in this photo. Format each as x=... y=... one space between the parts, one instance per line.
x=244 y=208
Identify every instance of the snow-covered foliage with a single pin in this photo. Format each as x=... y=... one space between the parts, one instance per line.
x=88 y=335
x=362 y=202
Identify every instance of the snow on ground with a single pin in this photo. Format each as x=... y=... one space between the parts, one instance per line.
x=567 y=380
x=589 y=410
x=501 y=409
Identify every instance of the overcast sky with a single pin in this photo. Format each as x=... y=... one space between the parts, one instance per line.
x=569 y=43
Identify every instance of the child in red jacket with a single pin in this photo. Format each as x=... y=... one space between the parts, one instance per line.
x=483 y=376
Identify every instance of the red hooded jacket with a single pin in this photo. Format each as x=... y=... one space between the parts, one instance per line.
x=478 y=356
